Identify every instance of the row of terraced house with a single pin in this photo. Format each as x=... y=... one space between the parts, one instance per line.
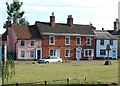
x=67 y=40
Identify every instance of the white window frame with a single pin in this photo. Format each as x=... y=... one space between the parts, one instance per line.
x=68 y=52
x=111 y=41
x=33 y=54
x=92 y=52
x=79 y=41
x=87 y=40
x=68 y=40
x=50 y=42
x=33 y=41
x=21 y=53
x=24 y=43
x=102 y=41
x=52 y=53
x=103 y=50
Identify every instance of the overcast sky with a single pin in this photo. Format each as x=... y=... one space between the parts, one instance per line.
x=101 y=13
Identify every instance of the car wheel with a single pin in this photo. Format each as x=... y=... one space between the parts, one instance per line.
x=47 y=61
x=59 y=61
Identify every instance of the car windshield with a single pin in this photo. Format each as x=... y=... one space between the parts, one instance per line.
x=47 y=57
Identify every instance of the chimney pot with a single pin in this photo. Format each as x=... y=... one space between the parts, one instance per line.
x=70 y=20
x=52 y=20
x=102 y=28
x=52 y=13
x=8 y=22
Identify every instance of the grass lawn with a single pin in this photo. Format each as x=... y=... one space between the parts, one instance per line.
x=95 y=71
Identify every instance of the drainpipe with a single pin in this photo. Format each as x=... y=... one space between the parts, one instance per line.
x=5 y=52
x=15 y=49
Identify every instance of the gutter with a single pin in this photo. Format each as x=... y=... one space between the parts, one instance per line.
x=68 y=34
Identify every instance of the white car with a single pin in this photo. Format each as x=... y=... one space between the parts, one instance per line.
x=50 y=59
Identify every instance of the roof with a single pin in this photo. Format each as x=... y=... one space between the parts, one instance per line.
x=4 y=36
x=26 y=32
x=60 y=28
x=104 y=35
x=114 y=32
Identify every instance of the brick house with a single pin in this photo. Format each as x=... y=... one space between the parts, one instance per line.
x=67 y=40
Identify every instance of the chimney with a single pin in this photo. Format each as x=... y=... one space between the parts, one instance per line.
x=70 y=20
x=8 y=22
x=52 y=20
x=116 y=23
x=102 y=29
x=91 y=25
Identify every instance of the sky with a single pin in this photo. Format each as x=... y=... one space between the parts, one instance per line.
x=101 y=13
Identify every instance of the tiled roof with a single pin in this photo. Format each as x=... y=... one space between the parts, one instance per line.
x=113 y=32
x=104 y=35
x=4 y=36
x=60 y=28
x=26 y=32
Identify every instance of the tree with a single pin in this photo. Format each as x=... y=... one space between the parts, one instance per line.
x=8 y=69
x=13 y=11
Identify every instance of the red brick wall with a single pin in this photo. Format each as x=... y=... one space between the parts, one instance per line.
x=60 y=44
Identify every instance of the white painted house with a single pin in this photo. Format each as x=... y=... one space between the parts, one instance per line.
x=104 y=38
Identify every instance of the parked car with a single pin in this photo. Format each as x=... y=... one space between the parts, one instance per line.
x=50 y=59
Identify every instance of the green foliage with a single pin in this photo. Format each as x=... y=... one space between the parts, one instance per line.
x=8 y=69
x=13 y=11
x=0 y=68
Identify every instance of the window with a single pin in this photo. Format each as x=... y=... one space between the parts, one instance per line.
x=22 y=43
x=111 y=42
x=101 y=42
x=54 y=57
x=67 y=40
x=67 y=53
x=32 y=43
x=88 y=41
x=51 y=53
x=88 y=52
x=22 y=54
x=102 y=52
x=78 y=41
x=52 y=40
x=31 y=54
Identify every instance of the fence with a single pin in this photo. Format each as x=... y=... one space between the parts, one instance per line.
x=61 y=82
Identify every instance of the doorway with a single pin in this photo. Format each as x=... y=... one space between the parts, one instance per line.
x=57 y=52
x=78 y=53
x=39 y=53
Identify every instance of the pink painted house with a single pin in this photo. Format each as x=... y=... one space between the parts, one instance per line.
x=24 y=42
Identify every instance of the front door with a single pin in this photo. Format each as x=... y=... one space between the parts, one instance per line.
x=78 y=53
x=57 y=52
x=39 y=53
x=114 y=54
